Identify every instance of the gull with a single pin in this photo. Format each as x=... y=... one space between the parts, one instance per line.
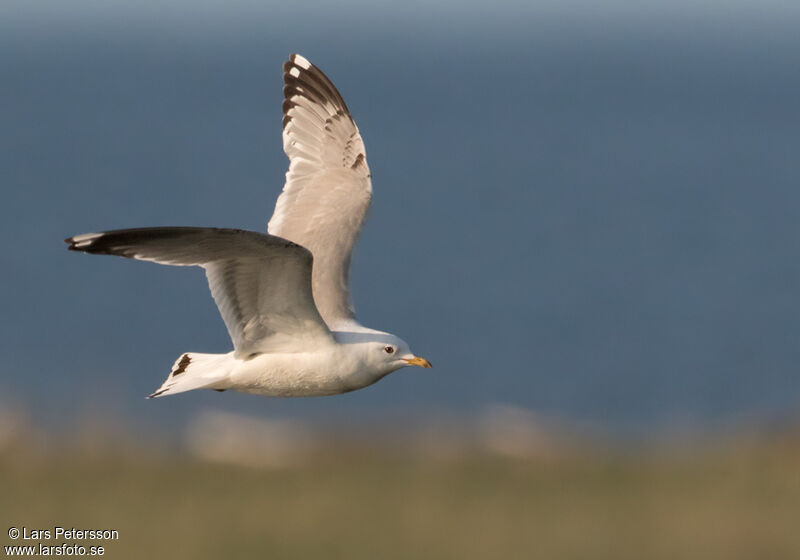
x=283 y=295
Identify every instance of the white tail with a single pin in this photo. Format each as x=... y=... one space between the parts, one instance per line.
x=197 y=371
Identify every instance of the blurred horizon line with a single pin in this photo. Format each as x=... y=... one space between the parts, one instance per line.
x=496 y=428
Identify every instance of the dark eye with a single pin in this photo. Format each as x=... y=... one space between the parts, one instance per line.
x=388 y=349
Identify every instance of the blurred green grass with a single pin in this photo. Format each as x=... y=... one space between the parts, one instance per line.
x=731 y=502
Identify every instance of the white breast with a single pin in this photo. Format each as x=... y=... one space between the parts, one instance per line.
x=329 y=371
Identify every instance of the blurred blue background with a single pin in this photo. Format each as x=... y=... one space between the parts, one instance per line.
x=586 y=210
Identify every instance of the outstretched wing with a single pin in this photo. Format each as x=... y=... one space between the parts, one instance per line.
x=261 y=283
x=328 y=186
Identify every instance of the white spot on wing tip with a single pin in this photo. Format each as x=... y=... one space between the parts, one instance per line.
x=294 y=72
x=85 y=236
x=301 y=61
x=85 y=239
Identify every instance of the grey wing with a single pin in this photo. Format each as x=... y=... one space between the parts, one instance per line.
x=261 y=283
x=328 y=186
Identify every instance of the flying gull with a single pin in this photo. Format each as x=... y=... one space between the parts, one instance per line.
x=283 y=295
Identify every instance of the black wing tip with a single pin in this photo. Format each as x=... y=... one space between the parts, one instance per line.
x=116 y=242
x=299 y=70
x=85 y=243
x=296 y=61
x=106 y=243
x=293 y=59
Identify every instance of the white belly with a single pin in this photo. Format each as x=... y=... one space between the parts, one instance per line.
x=299 y=374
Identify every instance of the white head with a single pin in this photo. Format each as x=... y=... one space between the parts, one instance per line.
x=383 y=353
x=393 y=353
